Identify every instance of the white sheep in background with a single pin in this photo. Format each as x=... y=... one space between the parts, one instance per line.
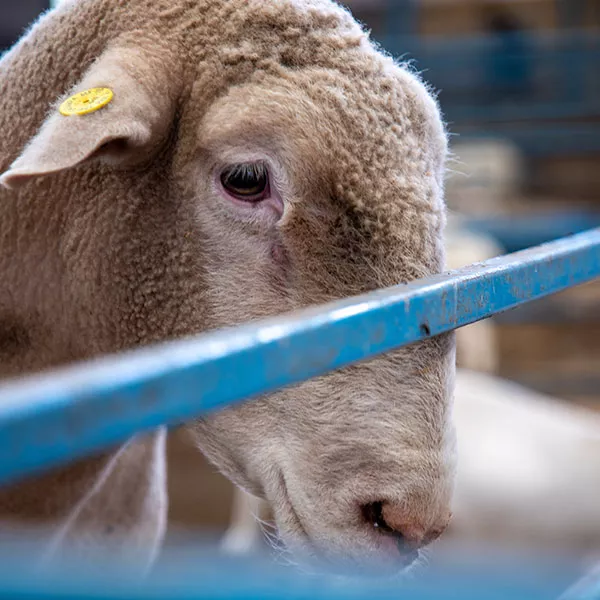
x=234 y=159
x=528 y=467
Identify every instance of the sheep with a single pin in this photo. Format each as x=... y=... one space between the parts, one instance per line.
x=176 y=166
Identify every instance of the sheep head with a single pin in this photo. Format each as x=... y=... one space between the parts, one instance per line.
x=260 y=156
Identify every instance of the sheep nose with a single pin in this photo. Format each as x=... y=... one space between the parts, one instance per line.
x=391 y=520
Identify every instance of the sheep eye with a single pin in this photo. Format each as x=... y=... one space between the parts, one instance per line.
x=246 y=181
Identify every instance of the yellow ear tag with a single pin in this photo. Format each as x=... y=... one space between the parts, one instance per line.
x=86 y=102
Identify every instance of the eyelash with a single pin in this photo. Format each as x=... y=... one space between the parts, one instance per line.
x=248 y=182
x=246 y=169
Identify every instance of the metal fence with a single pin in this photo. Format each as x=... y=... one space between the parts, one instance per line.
x=49 y=420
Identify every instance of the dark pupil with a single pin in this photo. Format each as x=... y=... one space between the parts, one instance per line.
x=245 y=180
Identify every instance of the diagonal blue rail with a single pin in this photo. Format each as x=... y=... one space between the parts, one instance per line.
x=49 y=420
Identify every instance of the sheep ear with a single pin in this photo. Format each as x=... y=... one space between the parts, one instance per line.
x=137 y=116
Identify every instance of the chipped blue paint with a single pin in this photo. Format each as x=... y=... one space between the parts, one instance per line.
x=49 y=420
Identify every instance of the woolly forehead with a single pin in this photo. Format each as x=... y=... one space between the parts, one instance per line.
x=358 y=162
x=371 y=139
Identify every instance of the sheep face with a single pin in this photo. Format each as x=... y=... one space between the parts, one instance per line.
x=241 y=171
x=312 y=185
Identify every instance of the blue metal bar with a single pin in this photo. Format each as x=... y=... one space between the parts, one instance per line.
x=186 y=574
x=49 y=420
x=587 y=588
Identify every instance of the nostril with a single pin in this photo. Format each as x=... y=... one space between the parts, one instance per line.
x=373 y=514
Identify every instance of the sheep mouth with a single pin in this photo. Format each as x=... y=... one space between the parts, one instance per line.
x=293 y=543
